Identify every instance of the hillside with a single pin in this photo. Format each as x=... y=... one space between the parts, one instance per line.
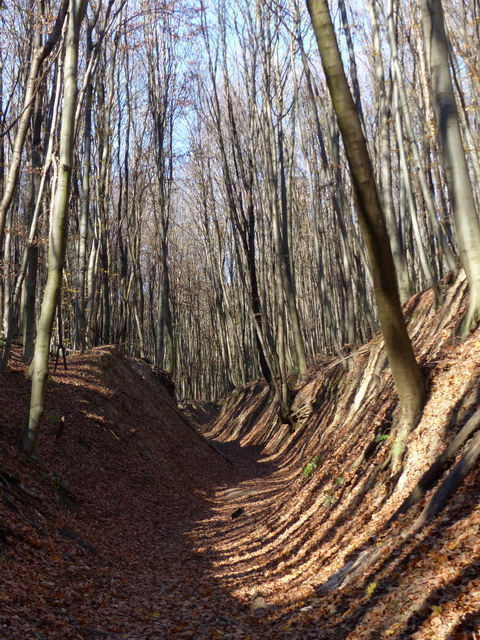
x=131 y=525
x=96 y=527
x=322 y=539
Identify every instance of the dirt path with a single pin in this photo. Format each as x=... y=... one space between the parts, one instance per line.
x=180 y=583
x=131 y=527
x=106 y=529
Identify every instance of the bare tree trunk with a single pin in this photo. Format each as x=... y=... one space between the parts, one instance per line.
x=85 y=204
x=58 y=231
x=408 y=378
x=35 y=185
x=465 y=217
x=39 y=57
x=399 y=84
x=385 y=160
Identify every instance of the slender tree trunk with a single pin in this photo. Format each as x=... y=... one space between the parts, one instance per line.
x=465 y=217
x=58 y=231
x=428 y=277
x=399 y=84
x=35 y=185
x=405 y=370
x=40 y=55
x=385 y=159
x=285 y=262
x=85 y=204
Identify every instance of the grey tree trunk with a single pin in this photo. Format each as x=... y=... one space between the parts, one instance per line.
x=58 y=231
x=85 y=204
x=465 y=217
x=399 y=84
x=35 y=184
x=406 y=373
x=39 y=57
x=385 y=160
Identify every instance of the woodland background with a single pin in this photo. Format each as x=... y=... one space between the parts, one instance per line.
x=258 y=214
x=211 y=224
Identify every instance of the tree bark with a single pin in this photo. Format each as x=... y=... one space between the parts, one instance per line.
x=408 y=378
x=40 y=55
x=465 y=217
x=58 y=231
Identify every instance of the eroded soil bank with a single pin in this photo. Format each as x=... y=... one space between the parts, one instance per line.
x=320 y=536
x=130 y=525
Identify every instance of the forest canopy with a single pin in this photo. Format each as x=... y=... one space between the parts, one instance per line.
x=175 y=179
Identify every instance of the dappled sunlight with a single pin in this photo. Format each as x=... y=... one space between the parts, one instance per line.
x=296 y=537
x=240 y=320
x=297 y=529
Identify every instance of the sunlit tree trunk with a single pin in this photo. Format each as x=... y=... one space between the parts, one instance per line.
x=85 y=204
x=405 y=124
x=465 y=217
x=58 y=230
x=385 y=160
x=35 y=182
x=39 y=56
x=408 y=378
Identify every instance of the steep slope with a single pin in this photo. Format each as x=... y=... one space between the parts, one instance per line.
x=131 y=526
x=317 y=535
x=96 y=525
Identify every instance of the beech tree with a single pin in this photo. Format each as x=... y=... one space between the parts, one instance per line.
x=215 y=217
x=58 y=228
x=408 y=378
x=40 y=54
x=464 y=212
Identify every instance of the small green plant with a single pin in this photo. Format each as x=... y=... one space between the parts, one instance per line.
x=382 y=437
x=311 y=467
x=330 y=497
x=54 y=418
x=63 y=495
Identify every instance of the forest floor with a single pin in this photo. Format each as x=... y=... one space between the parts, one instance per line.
x=131 y=525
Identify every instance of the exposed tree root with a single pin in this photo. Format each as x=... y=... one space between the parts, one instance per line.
x=450 y=483
x=432 y=474
x=356 y=567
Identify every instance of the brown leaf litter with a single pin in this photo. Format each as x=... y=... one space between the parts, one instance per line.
x=124 y=527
